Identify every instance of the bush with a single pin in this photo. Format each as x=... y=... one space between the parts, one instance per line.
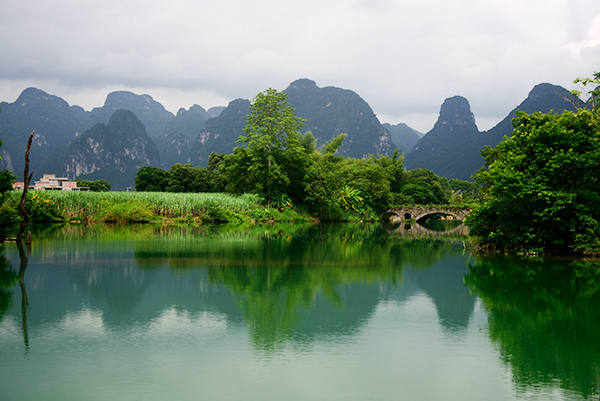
x=41 y=209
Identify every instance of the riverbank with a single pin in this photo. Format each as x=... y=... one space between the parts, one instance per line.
x=141 y=207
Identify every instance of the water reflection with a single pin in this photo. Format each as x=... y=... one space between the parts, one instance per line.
x=371 y=304
x=286 y=279
x=545 y=318
x=8 y=279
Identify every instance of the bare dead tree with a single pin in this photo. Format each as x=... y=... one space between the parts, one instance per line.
x=26 y=180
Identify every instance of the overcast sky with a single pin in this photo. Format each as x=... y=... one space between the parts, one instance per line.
x=403 y=57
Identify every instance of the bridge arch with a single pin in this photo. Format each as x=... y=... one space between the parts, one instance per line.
x=418 y=212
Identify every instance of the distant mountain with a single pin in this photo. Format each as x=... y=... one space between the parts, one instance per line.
x=113 y=151
x=174 y=148
x=403 y=136
x=332 y=111
x=177 y=136
x=187 y=122
x=442 y=149
x=543 y=98
x=220 y=133
x=151 y=113
x=215 y=111
x=328 y=113
x=55 y=124
x=453 y=147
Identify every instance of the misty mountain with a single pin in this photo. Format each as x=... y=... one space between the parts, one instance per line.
x=55 y=124
x=403 y=136
x=328 y=112
x=215 y=111
x=220 y=133
x=113 y=151
x=444 y=148
x=151 y=113
x=332 y=111
x=175 y=139
x=452 y=148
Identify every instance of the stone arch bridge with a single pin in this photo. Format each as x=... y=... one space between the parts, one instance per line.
x=416 y=213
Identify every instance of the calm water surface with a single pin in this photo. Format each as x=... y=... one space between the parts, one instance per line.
x=291 y=312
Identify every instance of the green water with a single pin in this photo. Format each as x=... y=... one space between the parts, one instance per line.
x=291 y=312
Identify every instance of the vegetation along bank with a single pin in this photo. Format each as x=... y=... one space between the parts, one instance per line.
x=539 y=191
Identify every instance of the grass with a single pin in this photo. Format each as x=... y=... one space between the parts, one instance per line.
x=152 y=206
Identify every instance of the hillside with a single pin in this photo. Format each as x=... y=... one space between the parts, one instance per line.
x=220 y=133
x=151 y=113
x=452 y=148
x=113 y=151
x=55 y=124
x=332 y=111
x=403 y=136
x=328 y=112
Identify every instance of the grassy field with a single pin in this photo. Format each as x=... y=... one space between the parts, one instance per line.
x=152 y=206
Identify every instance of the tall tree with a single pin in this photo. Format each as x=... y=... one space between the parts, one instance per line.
x=274 y=151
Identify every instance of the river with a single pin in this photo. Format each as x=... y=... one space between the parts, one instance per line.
x=291 y=312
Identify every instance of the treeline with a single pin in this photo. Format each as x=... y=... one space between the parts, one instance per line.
x=277 y=162
x=541 y=186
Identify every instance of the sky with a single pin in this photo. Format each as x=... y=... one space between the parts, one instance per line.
x=402 y=57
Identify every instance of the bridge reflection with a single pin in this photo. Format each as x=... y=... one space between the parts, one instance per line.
x=418 y=230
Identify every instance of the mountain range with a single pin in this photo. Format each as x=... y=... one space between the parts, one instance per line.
x=108 y=143
x=452 y=148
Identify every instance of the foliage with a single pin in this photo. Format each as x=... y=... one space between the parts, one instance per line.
x=120 y=206
x=275 y=155
x=94 y=186
x=181 y=178
x=41 y=209
x=131 y=211
x=427 y=187
x=9 y=213
x=7 y=179
x=542 y=186
x=8 y=209
x=335 y=184
x=151 y=179
x=593 y=96
x=463 y=191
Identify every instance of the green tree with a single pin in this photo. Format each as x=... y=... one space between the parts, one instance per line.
x=8 y=211
x=541 y=187
x=275 y=155
x=7 y=179
x=339 y=188
x=151 y=179
x=424 y=186
x=183 y=178
x=94 y=186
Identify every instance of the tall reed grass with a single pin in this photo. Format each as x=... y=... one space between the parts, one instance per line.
x=142 y=206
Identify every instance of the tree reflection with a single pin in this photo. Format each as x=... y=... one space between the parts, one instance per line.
x=24 y=260
x=277 y=273
x=545 y=318
x=8 y=280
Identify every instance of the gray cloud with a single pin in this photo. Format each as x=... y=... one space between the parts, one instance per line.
x=403 y=57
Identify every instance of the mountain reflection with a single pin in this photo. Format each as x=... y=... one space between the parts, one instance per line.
x=311 y=279
x=295 y=282
x=545 y=317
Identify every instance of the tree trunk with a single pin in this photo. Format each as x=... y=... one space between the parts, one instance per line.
x=26 y=180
